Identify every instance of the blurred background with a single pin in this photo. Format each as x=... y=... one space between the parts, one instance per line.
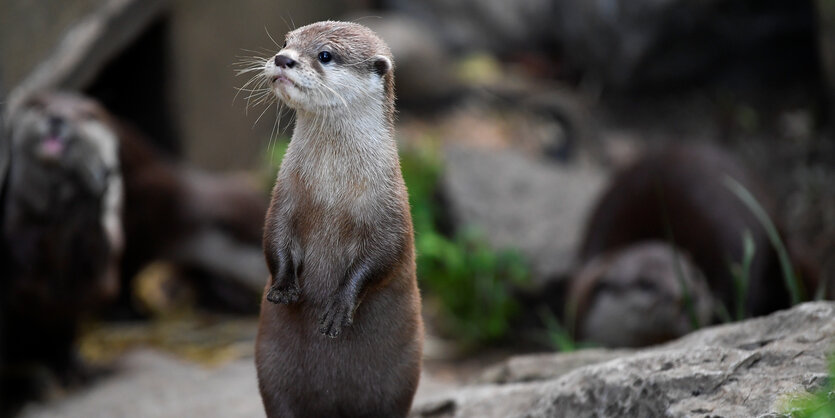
x=575 y=167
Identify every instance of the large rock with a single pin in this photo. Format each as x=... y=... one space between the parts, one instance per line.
x=531 y=204
x=744 y=369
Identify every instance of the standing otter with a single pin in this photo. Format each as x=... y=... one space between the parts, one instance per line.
x=340 y=331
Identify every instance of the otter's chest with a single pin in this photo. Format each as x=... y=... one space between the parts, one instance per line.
x=337 y=184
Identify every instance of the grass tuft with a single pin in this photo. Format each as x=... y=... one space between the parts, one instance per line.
x=789 y=276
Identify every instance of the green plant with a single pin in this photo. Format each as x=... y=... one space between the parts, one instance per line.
x=689 y=305
x=741 y=273
x=790 y=278
x=558 y=336
x=472 y=282
x=820 y=404
x=687 y=296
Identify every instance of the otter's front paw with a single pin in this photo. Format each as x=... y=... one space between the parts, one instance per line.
x=284 y=295
x=340 y=313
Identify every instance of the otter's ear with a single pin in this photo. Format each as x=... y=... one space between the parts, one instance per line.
x=382 y=65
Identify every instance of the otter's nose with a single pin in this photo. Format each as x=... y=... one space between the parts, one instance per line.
x=56 y=124
x=284 y=61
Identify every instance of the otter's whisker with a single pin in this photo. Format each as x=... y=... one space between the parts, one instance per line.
x=271 y=37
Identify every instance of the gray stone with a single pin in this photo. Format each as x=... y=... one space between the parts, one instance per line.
x=744 y=369
x=546 y=366
x=521 y=202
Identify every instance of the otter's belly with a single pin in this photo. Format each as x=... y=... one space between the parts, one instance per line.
x=371 y=369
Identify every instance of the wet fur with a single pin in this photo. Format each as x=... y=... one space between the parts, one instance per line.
x=340 y=331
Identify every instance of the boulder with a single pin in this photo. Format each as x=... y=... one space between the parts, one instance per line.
x=746 y=369
x=519 y=201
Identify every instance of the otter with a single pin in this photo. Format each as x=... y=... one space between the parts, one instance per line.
x=340 y=330
x=679 y=194
x=643 y=294
x=61 y=233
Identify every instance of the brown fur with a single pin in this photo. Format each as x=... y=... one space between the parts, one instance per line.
x=339 y=270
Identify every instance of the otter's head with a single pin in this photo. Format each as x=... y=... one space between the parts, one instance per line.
x=66 y=133
x=642 y=294
x=327 y=65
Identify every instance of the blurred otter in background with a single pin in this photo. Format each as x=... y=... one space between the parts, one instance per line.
x=680 y=195
x=208 y=226
x=61 y=234
x=87 y=200
x=644 y=294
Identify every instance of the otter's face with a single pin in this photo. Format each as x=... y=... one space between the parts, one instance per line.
x=328 y=65
x=66 y=132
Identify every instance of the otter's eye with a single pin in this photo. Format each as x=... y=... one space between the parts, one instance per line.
x=325 y=57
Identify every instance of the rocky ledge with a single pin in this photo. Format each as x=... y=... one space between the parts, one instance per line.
x=745 y=369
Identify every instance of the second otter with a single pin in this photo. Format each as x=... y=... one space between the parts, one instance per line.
x=340 y=331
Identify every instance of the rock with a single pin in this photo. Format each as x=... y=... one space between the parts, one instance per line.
x=536 y=367
x=522 y=202
x=745 y=369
